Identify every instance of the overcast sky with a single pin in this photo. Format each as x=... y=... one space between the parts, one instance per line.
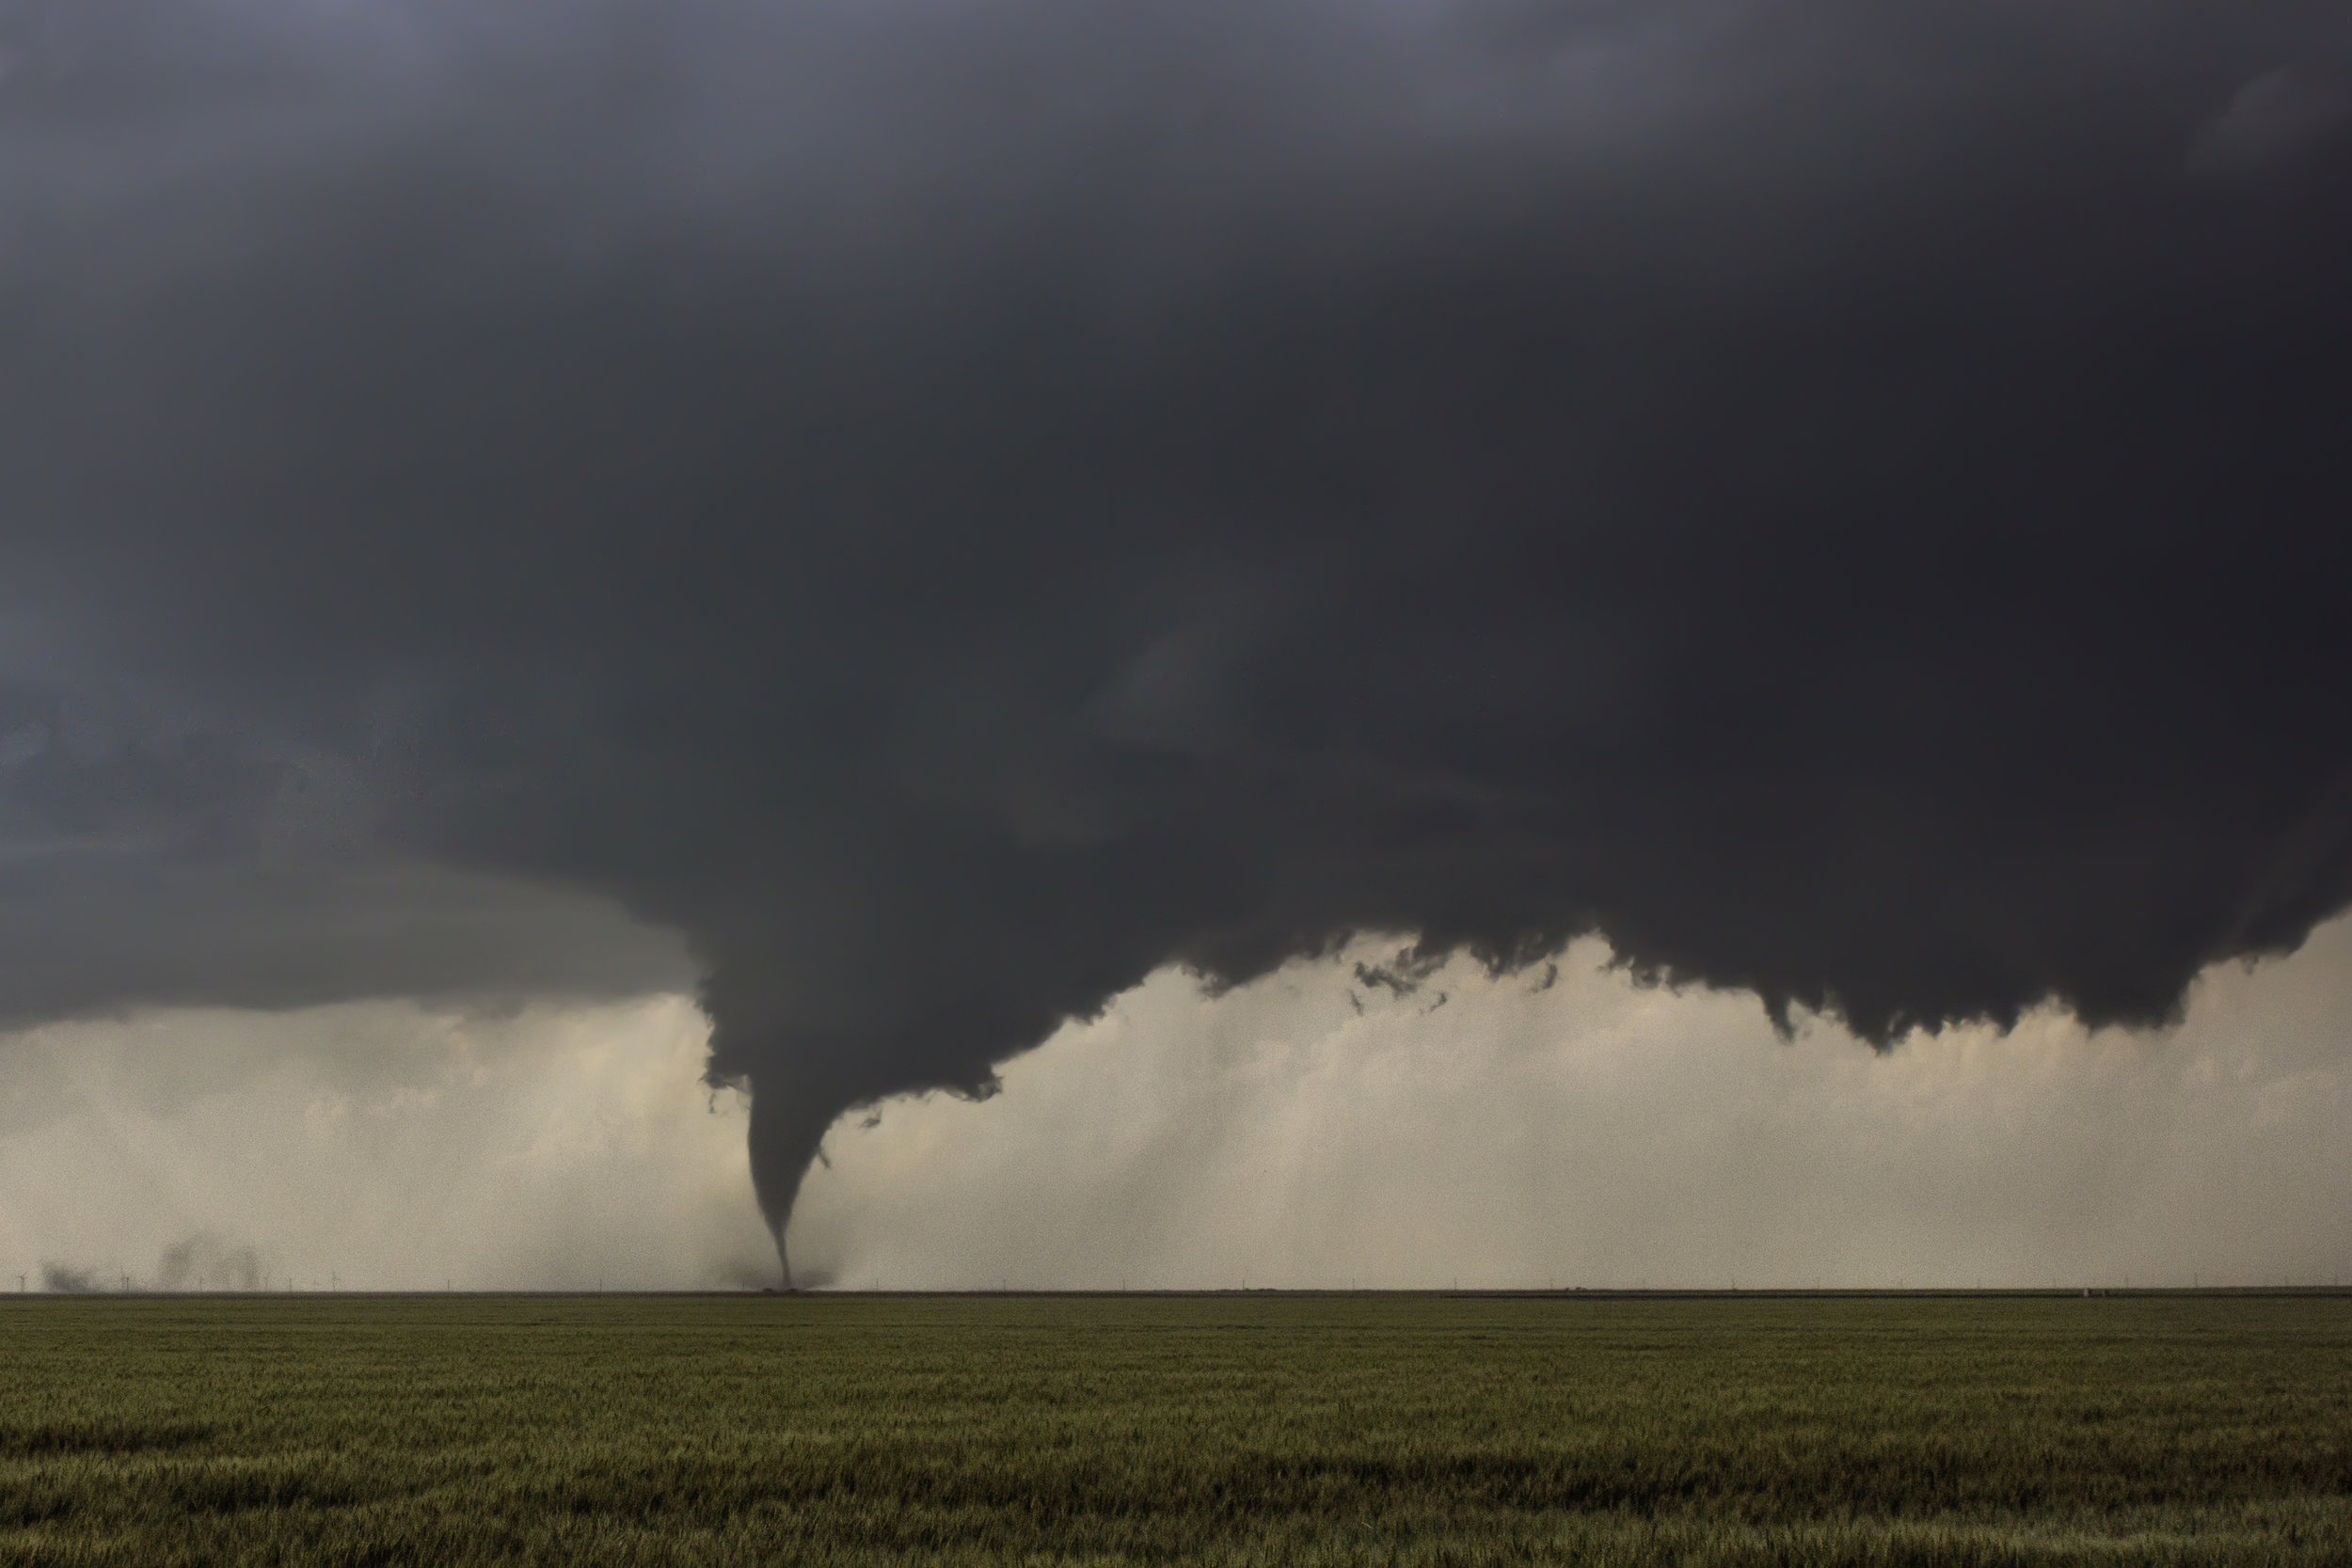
x=907 y=521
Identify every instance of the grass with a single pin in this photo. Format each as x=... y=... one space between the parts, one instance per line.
x=1246 y=1429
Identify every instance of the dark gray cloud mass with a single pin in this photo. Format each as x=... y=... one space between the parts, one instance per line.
x=954 y=506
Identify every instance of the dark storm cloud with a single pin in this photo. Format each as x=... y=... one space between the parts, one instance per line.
x=150 y=858
x=953 y=507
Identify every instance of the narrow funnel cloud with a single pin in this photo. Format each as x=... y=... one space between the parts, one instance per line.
x=952 y=508
x=787 y=1131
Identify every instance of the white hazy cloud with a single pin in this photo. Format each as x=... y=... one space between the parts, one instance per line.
x=1605 y=1134
x=381 y=1144
x=1595 y=1133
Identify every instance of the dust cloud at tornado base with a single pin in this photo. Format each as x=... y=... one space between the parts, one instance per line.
x=1597 y=1133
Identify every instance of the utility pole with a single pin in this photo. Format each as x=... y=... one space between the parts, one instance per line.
x=19 y=1285
x=334 y=1280
x=126 y=1284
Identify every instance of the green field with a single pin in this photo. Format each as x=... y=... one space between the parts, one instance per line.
x=1226 y=1429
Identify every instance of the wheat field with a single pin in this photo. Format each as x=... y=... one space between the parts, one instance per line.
x=1224 y=1429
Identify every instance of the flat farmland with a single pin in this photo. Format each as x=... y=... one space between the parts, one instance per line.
x=1229 y=1429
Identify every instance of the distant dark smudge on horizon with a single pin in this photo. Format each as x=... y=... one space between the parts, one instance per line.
x=953 y=508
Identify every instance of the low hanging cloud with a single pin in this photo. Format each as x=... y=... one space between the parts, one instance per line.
x=1593 y=1132
x=951 y=510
